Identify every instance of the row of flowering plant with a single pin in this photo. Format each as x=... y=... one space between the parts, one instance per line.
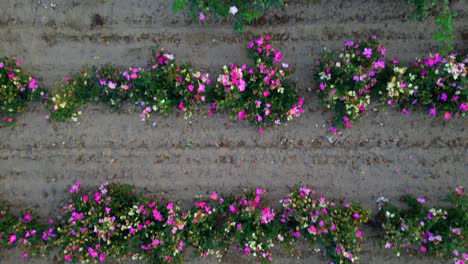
x=240 y=10
x=264 y=93
x=346 y=80
x=334 y=225
x=436 y=83
x=17 y=88
x=440 y=232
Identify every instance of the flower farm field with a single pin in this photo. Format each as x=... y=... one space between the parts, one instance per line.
x=385 y=153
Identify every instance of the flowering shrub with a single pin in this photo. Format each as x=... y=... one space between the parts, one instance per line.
x=25 y=232
x=347 y=80
x=166 y=85
x=116 y=222
x=262 y=94
x=435 y=83
x=335 y=225
x=115 y=87
x=242 y=11
x=244 y=221
x=439 y=232
x=16 y=89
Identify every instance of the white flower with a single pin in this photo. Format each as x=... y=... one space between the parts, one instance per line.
x=233 y=10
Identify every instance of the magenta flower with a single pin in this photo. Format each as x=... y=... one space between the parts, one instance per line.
x=266 y=93
x=267 y=215
x=259 y=118
x=181 y=106
x=433 y=111
x=463 y=107
x=102 y=257
x=241 y=114
x=11 y=75
x=261 y=130
x=459 y=191
x=201 y=16
x=12 y=238
x=423 y=249
x=67 y=257
x=356 y=216
x=405 y=111
x=1 y=65
x=443 y=97
x=214 y=196
x=33 y=84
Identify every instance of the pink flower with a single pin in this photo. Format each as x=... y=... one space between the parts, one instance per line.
x=459 y=191
x=259 y=191
x=102 y=257
x=1 y=65
x=33 y=84
x=233 y=209
x=12 y=239
x=241 y=114
x=266 y=93
x=11 y=75
x=359 y=234
x=27 y=217
x=261 y=130
x=267 y=215
x=170 y=206
x=356 y=216
x=259 y=118
x=433 y=111
x=190 y=87
x=85 y=198
x=214 y=196
x=405 y=111
x=67 y=257
x=448 y=115
x=278 y=57
x=201 y=16
x=181 y=106
x=362 y=107
x=423 y=249
x=24 y=255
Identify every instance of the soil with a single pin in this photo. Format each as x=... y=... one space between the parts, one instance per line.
x=384 y=154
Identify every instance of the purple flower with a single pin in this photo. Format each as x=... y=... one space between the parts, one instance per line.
x=421 y=200
x=367 y=52
x=433 y=111
x=443 y=97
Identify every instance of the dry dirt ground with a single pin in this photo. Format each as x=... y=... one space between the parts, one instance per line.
x=384 y=154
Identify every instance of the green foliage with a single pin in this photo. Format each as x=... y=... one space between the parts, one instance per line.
x=17 y=88
x=445 y=33
x=243 y=12
x=439 y=232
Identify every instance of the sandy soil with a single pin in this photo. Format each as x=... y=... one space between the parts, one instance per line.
x=385 y=154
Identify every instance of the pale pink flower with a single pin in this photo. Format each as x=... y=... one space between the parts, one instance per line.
x=201 y=16
x=233 y=10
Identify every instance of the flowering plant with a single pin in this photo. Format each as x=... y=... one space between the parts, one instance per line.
x=346 y=81
x=242 y=11
x=165 y=85
x=25 y=232
x=245 y=221
x=17 y=88
x=435 y=83
x=115 y=87
x=439 y=232
x=263 y=94
x=335 y=225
